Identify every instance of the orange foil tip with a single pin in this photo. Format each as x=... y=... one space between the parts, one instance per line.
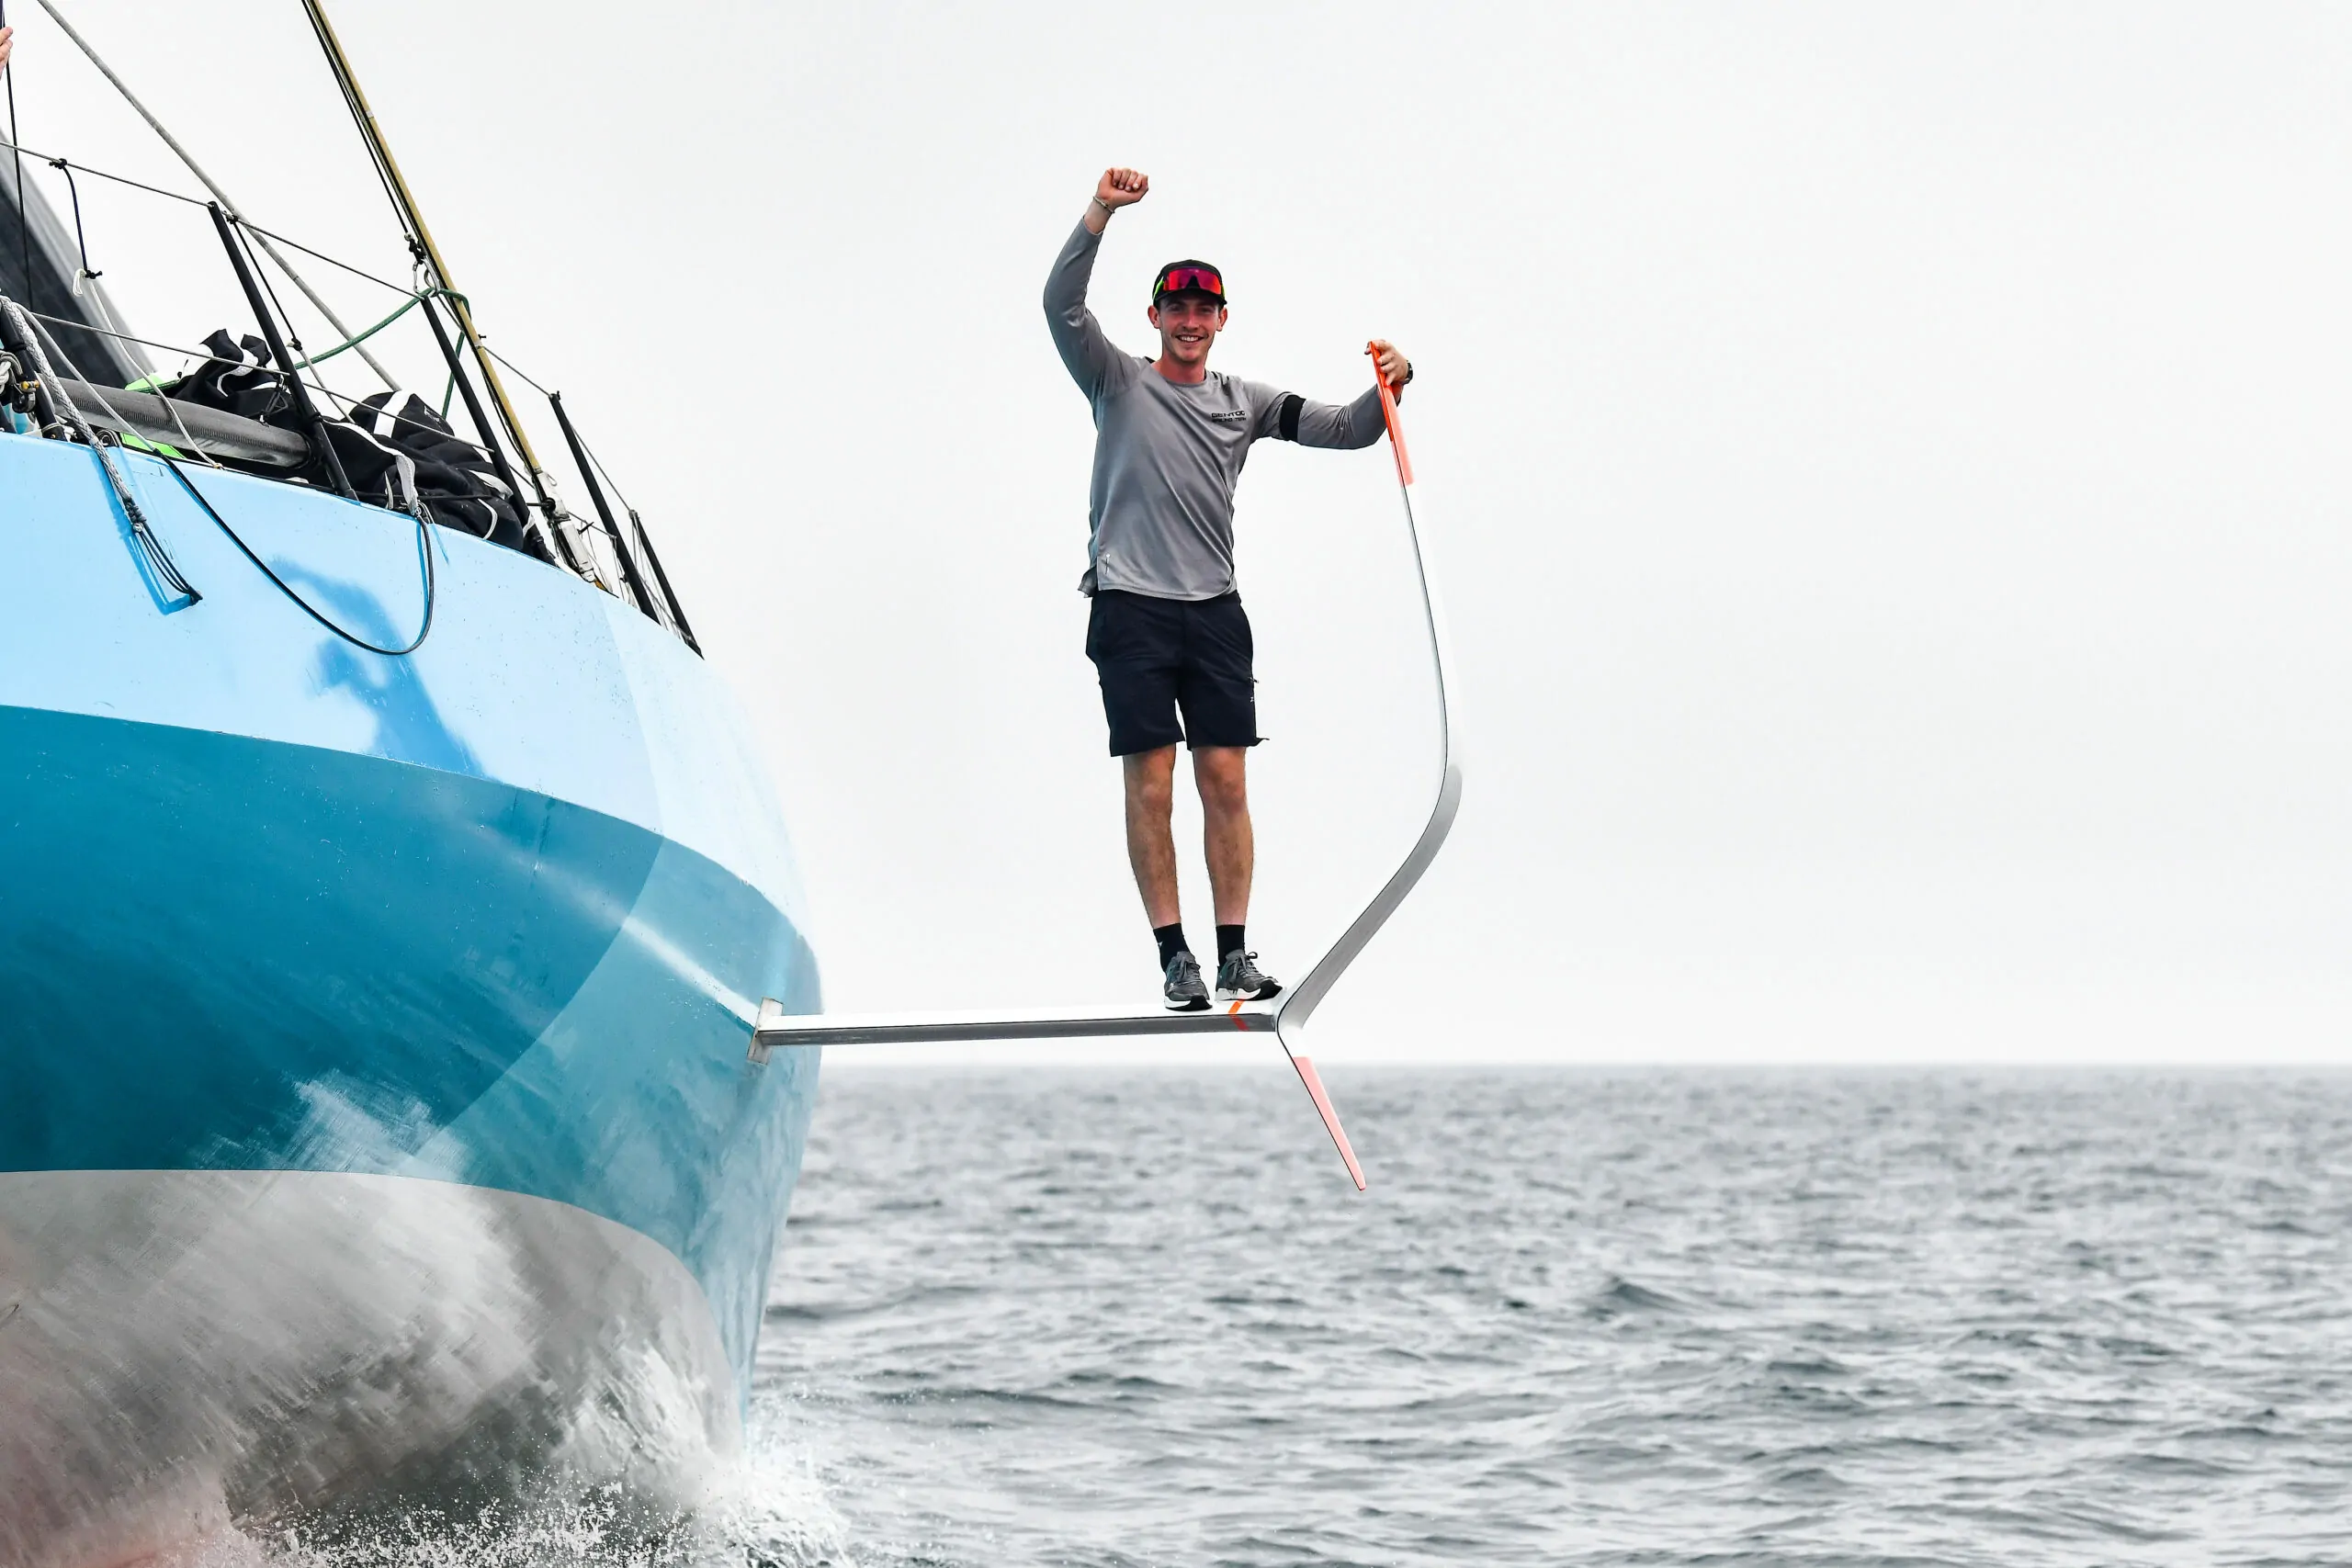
x=1307 y=1076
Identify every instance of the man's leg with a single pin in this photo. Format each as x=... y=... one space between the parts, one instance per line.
x=1221 y=773
x=1150 y=778
x=1151 y=842
x=1218 y=694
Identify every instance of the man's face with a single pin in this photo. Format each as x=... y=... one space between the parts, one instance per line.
x=1188 y=326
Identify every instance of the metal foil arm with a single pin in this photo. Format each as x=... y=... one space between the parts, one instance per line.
x=1286 y=1018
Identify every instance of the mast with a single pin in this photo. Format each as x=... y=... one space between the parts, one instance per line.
x=421 y=241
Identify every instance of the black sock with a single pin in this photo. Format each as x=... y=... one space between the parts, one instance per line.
x=1228 y=939
x=1172 y=941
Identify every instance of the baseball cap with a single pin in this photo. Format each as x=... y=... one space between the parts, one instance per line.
x=1190 y=276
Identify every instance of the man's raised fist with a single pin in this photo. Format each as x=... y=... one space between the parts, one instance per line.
x=1122 y=187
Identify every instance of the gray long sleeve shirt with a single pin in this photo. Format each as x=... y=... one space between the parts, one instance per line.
x=1167 y=455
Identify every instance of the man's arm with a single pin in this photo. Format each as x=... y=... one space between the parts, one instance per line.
x=1286 y=416
x=1087 y=354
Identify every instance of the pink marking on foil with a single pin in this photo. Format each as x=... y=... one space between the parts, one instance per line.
x=1331 y=1118
x=1395 y=430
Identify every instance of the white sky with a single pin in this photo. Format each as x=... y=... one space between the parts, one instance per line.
x=1886 y=461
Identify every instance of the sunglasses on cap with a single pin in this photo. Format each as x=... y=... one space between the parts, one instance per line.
x=1198 y=279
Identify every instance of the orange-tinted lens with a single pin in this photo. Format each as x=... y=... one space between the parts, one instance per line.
x=1194 y=277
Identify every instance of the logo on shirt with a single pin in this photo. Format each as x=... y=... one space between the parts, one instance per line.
x=1230 y=416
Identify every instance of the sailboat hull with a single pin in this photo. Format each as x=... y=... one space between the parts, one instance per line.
x=373 y=1029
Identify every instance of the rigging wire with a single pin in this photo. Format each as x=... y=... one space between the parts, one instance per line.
x=268 y=241
x=674 y=614
x=118 y=179
x=357 y=109
x=161 y=562
x=24 y=214
x=99 y=392
x=158 y=560
x=155 y=551
x=525 y=380
x=343 y=400
x=57 y=161
x=321 y=255
x=608 y=476
x=127 y=337
x=293 y=333
x=421 y=247
x=206 y=354
x=413 y=294
x=172 y=407
x=197 y=170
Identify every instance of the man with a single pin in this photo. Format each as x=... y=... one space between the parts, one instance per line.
x=1166 y=630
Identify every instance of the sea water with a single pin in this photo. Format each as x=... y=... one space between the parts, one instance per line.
x=1129 y=1318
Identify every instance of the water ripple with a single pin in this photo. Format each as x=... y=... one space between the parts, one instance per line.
x=1581 y=1318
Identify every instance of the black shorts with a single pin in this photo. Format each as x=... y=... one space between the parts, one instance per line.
x=1156 y=656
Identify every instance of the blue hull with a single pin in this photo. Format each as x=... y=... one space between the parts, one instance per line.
x=497 y=915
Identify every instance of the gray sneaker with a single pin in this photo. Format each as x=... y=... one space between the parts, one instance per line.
x=1237 y=979
x=1181 y=988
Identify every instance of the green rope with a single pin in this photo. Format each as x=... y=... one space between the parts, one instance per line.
x=158 y=383
x=406 y=305
x=410 y=303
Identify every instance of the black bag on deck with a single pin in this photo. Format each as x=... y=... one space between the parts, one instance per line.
x=406 y=458
x=237 y=380
x=454 y=479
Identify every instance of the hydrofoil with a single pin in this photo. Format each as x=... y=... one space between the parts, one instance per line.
x=1285 y=1016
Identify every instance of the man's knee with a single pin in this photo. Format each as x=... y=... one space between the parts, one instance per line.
x=1150 y=779
x=1221 y=773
